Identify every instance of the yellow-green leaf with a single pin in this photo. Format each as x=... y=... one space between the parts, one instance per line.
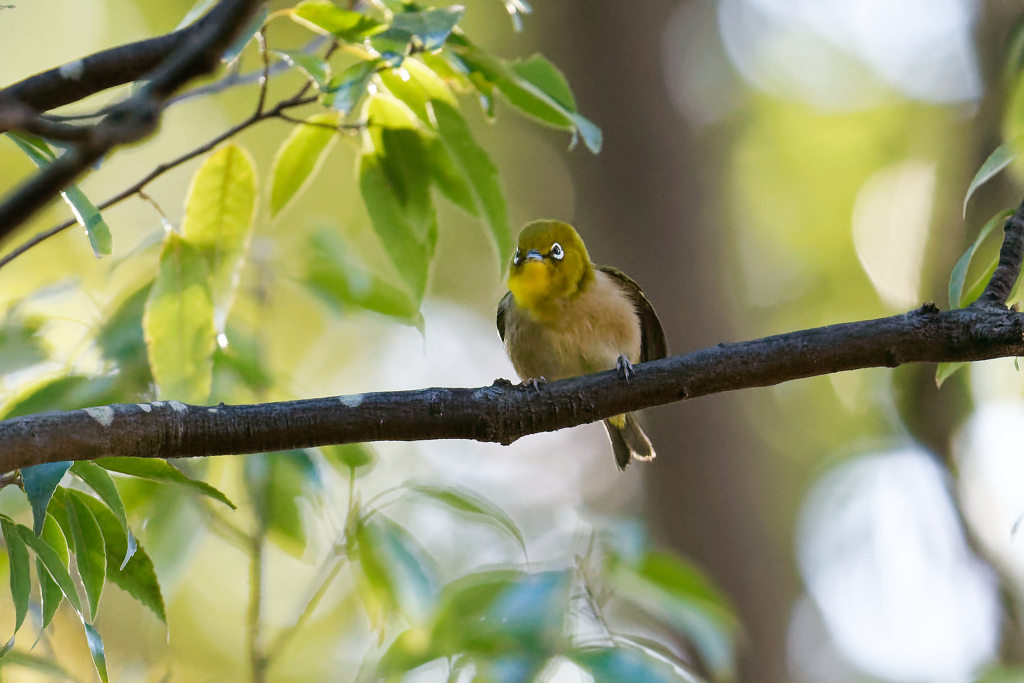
x=300 y=157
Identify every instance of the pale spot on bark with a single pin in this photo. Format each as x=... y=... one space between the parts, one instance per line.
x=351 y=401
x=145 y=406
x=104 y=415
x=73 y=70
x=178 y=406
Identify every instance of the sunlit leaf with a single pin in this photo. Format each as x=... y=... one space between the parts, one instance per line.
x=300 y=157
x=137 y=577
x=395 y=570
x=415 y=85
x=276 y=482
x=347 y=88
x=358 y=458
x=179 y=323
x=468 y=503
x=316 y=68
x=21 y=578
x=100 y=482
x=90 y=550
x=54 y=565
x=1002 y=157
x=99 y=658
x=946 y=370
x=219 y=215
x=50 y=592
x=40 y=481
x=86 y=213
x=337 y=277
x=547 y=77
x=331 y=19
x=481 y=174
x=156 y=469
x=959 y=272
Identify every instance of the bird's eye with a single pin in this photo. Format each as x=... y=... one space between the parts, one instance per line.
x=556 y=251
x=515 y=258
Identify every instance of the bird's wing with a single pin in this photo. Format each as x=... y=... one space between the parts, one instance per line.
x=503 y=306
x=652 y=341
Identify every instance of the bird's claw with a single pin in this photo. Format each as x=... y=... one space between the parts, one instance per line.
x=624 y=368
x=534 y=383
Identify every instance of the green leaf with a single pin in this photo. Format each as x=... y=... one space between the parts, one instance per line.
x=397 y=219
x=395 y=571
x=21 y=578
x=137 y=577
x=90 y=550
x=614 y=665
x=50 y=592
x=276 y=482
x=300 y=158
x=449 y=178
x=100 y=482
x=71 y=392
x=1002 y=157
x=99 y=659
x=468 y=503
x=592 y=136
x=20 y=343
x=54 y=565
x=218 y=222
x=358 y=458
x=539 y=71
x=481 y=173
x=179 y=323
x=247 y=33
x=944 y=371
x=43 y=665
x=432 y=27
x=336 y=276
x=40 y=481
x=415 y=85
x=86 y=213
x=317 y=69
x=347 y=88
x=345 y=25
x=198 y=9
x=959 y=272
x=156 y=469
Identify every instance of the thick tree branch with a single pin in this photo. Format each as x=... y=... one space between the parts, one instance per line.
x=137 y=117
x=1011 y=253
x=504 y=412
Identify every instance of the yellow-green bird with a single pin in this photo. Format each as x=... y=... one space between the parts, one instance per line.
x=563 y=316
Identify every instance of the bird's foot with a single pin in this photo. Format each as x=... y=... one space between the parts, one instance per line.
x=624 y=368
x=534 y=383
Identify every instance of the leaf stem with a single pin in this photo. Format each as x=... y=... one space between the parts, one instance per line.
x=257 y=660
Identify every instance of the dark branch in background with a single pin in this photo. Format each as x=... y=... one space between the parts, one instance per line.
x=198 y=52
x=504 y=412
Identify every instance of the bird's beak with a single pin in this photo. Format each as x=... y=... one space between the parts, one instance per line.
x=534 y=255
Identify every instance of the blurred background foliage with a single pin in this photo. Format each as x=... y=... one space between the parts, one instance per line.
x=766 y=166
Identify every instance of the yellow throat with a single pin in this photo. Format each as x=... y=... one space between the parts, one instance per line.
x=531 y=285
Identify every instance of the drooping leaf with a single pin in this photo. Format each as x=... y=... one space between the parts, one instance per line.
x=415 y=85
x=316 y=68
x=300 y=157
x=246 y=34
x=40 y=481
x=357 y=458
x=1002 y=157
x=90 y=549
x=542 y=73
x=468 y=503
x=395 y=571
x=21 y=578
x=959 y=272
x=481 y=174
x=137 y=577
x=51 y=593
x=592 y=136
x=156 y=469
x=450 y=178
x=179 y=323
x=54 y=565
x=86 y=213
x=347 y=88
x=218 y=222
x=99 y=658
x=43 y=665
x=944 y=371
x=100 y=482
x=276 y=482
x=341 y=280
x=343 y=24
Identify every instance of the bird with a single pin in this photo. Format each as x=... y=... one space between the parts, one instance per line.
x=563 y=316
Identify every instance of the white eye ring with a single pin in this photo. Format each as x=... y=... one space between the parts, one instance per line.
x=556 y=251
x=515 y=258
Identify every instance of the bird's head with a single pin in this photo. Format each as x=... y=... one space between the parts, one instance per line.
x=551 y=262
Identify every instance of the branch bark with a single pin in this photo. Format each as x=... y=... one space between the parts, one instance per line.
x=505 y=412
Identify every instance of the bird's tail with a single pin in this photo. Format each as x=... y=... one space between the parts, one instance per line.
x=628 y=441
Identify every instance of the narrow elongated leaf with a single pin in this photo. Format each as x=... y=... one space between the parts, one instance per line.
x=90 y=550
x=481 y=174
x=40 y=481
x=394 y=568
x=315 y=67
x=1002 y=157
x=276 y=482
x=614 y=665
x=179 y=323
x=198 y=9
x=328 y=18
x=156 y=469
x=959 y=272
x=466 y=502
x=219 y=216
x=54 y=565
x=99 y=658
x=450 y=179
x=300 y=157
x=247 y=33
x=944 y=371
x=86 y=213
x=51 y=593
x=21 y=578
x=38 y=663
x=347 y=88
x=100 y=482
x=542 y=73
x=137 y=577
